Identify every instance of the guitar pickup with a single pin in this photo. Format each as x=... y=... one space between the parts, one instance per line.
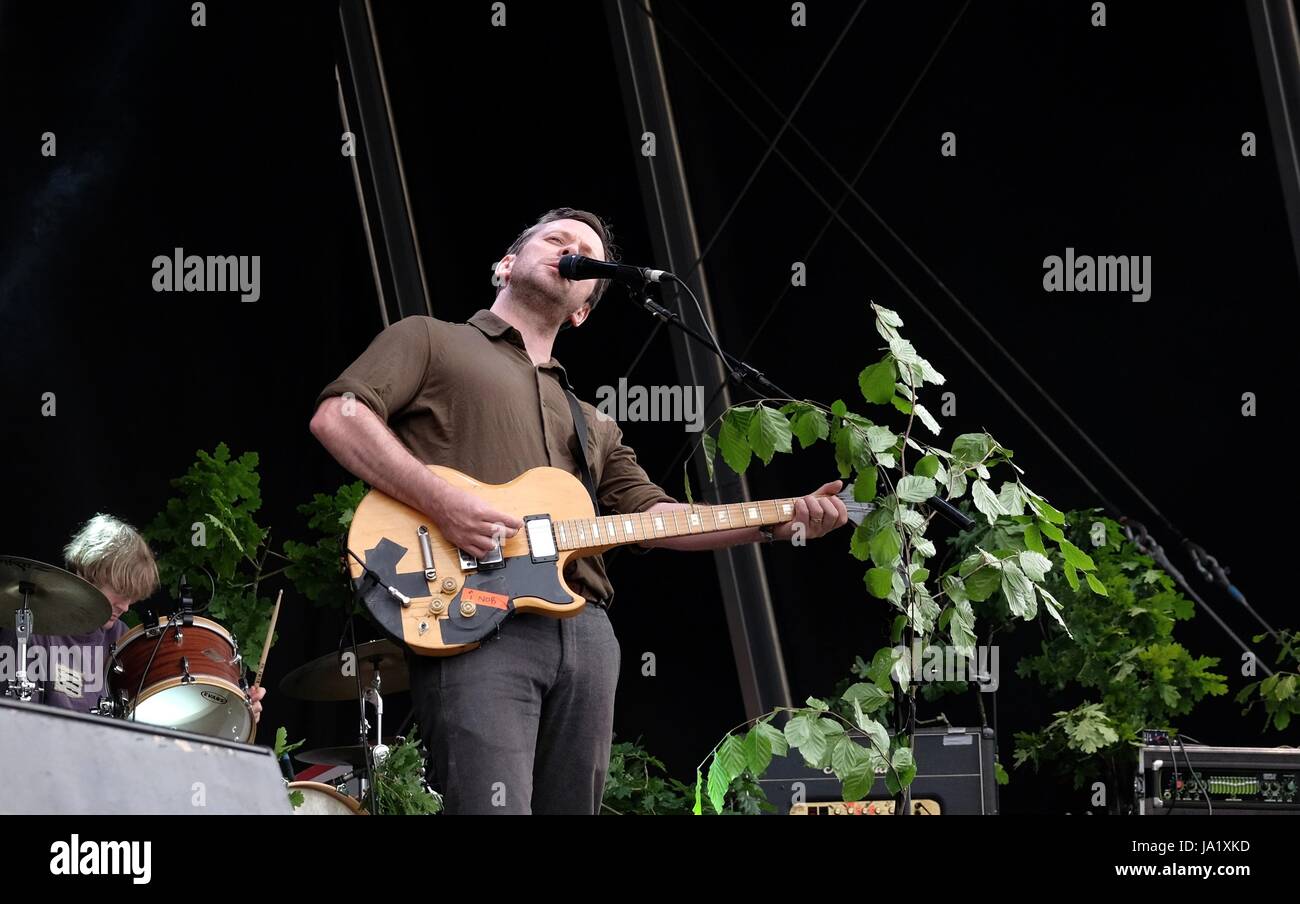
x=492 y=560
x=541 y=538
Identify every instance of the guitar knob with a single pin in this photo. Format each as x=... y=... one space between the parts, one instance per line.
x=448 y=585
x=468 y=609
x=437 y=607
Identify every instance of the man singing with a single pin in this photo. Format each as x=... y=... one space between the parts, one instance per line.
x=524 y=723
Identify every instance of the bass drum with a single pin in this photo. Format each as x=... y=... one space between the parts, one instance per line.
x=324 y=800
x=183 y=678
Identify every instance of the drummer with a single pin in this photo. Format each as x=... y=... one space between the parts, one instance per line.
x=110 y=554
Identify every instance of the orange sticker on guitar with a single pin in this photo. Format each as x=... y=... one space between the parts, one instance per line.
x=483 y=598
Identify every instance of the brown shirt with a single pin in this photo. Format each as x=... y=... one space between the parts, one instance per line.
x=468 y=396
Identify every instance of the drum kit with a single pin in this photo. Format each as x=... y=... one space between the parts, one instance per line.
x=183 y=671
x=178 y=671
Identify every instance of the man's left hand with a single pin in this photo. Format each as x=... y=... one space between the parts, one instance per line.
x=820 y=513
x=256 y=695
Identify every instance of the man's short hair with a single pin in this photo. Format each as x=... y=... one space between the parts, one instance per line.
x=599 y=226
x=108 y=552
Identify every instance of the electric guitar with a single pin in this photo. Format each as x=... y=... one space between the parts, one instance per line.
x=441 y=601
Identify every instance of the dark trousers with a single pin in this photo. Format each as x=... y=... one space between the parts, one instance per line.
x=523 y=724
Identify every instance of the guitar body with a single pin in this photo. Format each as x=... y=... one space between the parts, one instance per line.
x=439 y=601
x=458 y=607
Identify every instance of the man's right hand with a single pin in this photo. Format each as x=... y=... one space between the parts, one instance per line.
x=470 y=523
x=363 y=444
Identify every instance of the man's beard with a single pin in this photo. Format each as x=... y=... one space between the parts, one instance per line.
x=539 y=293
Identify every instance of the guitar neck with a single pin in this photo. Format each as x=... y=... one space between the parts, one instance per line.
x=620 y=530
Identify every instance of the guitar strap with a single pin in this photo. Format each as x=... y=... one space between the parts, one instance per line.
x=580 y=425
x=584 y=469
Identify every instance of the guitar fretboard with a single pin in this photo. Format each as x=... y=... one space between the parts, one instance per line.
x=617 y=530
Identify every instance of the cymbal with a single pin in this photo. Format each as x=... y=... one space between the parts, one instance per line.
x=61 y=602
x=325 y=678
x=339 y=756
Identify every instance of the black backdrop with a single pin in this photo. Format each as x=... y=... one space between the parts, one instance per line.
x=225 y=140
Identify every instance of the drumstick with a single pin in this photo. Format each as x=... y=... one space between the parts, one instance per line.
x=266 y=647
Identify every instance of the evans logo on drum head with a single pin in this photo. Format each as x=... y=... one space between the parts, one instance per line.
x=215 y=698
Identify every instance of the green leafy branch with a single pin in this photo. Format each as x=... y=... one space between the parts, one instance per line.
x=209 y=529
x=281 y=747
x=317 y=569
x=1278 y=691
x=822 y=736
x=638 y=784
x=1119 y=651
x=892 y=538
x=400 y=789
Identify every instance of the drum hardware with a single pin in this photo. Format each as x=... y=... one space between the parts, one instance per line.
x=186 y=677
x=59 y=600
x=186 y=609
x=377 y=665
x=375 y=699
x=343 y=783
x=107 y=706
x=19 y=687
x=148 y=615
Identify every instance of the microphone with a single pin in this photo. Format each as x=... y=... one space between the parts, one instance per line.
x=575 y=266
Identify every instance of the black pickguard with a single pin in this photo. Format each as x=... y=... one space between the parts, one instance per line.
x=519 y=576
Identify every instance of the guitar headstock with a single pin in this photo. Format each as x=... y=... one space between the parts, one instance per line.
x=858 y=511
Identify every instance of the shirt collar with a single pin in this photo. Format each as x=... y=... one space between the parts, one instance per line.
x=494 y=327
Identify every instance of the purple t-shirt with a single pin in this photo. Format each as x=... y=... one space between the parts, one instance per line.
x=72 y=668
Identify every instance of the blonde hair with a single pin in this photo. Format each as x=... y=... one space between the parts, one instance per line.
x=108 y=552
